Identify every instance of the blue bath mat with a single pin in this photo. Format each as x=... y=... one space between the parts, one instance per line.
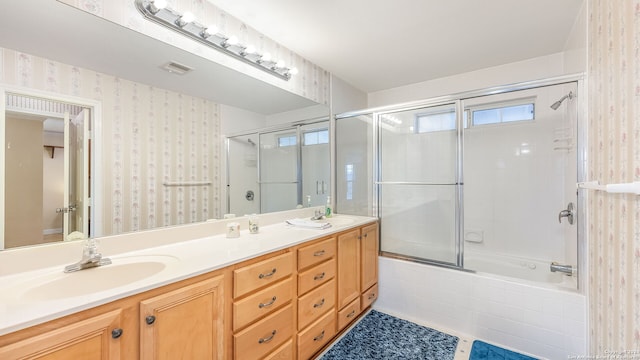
x=380 y=336
x=482 y=351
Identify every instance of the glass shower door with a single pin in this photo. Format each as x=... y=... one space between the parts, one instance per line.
x=418 y=190
x=316 y=166
x=279 y=167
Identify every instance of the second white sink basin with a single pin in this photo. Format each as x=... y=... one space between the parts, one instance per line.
x=122 y=271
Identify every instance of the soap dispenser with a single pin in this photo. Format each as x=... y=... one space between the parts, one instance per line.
x=327 y=208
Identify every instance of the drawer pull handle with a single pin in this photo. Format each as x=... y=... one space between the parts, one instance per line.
x=318 y=253
x=267 y=275
x=268 y=338
x=315 y=306
x=319 y=276
x=150 y=319
x=319 y=337
x=371 y=296
x=116 y=333
x=351 y=314
x=263 y=305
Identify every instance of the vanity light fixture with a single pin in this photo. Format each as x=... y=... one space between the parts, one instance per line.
x=186 y=24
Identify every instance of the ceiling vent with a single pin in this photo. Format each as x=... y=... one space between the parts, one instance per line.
x=176 y=68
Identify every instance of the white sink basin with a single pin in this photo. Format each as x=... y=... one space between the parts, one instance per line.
x=123 y=271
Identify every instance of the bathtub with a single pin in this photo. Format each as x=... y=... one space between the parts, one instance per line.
x=541 y=319
x=533 y=271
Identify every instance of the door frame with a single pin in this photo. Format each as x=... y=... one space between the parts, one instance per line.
x=96 y=182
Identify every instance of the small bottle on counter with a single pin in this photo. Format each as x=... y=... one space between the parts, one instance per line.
x=327 y=208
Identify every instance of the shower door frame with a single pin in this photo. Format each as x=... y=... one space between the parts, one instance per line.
x=458 y=98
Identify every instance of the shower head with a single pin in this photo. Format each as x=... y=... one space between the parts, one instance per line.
x=557 y=104
x=251 y=142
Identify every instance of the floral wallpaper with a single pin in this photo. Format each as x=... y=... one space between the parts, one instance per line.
x=614 y=157
x=311 y=82
x=150 y=137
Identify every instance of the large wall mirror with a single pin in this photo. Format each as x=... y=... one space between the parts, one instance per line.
x=144 y=148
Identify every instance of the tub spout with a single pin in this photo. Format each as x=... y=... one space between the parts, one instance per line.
x=566 y=269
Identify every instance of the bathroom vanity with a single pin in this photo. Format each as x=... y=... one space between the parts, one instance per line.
x=284 y=293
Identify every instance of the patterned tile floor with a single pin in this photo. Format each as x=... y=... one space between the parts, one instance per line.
x=381 y=336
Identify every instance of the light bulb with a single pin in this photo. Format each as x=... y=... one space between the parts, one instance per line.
x=158 y=5
x=232 y=40
x=266 y=57
x=293 y=71
x=185 y=19
x=279 y=64
x=210 y=30
x=250 y=49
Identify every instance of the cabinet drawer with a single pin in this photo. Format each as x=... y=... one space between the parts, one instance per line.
x=252 y=277
x=313 y=254
x=315 y=276
x=369 y=296
x=264 y=336
x=316 y=303
x=262 y=303
x=348 y=314
x=284 y=352
x=316 y=336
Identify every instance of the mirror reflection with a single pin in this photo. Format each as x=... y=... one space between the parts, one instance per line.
x=152 y=151
x=274 y=170
x=46 y=171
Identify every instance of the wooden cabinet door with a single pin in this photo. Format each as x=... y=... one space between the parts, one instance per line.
x=94 y=338
x=348 y=267
x=369 y=256
x=184 y=324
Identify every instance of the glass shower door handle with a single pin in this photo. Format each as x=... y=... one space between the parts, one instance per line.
x=568 y=213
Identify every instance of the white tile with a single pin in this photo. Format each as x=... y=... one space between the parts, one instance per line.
x=545 y=321
x=501 y=324
x=485 y=291
x=575 y=309
x=575 y=328
x=575 y=345
x=523 y=299
x=544 y=336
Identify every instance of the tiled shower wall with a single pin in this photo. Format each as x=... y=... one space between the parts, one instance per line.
x=614 y=157
x=149 y=136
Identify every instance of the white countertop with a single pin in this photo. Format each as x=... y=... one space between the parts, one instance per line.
x=182 y=254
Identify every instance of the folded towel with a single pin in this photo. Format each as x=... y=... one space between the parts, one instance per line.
x=304 y=223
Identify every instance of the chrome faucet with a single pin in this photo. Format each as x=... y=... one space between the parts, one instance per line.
x=318 y=214
x=567 y=269
x=90 y=258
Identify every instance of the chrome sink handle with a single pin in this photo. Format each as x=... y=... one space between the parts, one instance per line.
x=568 y=213
x=90 y=258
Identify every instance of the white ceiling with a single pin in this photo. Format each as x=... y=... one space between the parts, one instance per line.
x=372 y=44
x=381 y=44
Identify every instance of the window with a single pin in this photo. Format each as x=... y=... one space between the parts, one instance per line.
x=437 y=121
x=287 y=140
x=348 y=174
x=316 y=137
x=503 y=114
